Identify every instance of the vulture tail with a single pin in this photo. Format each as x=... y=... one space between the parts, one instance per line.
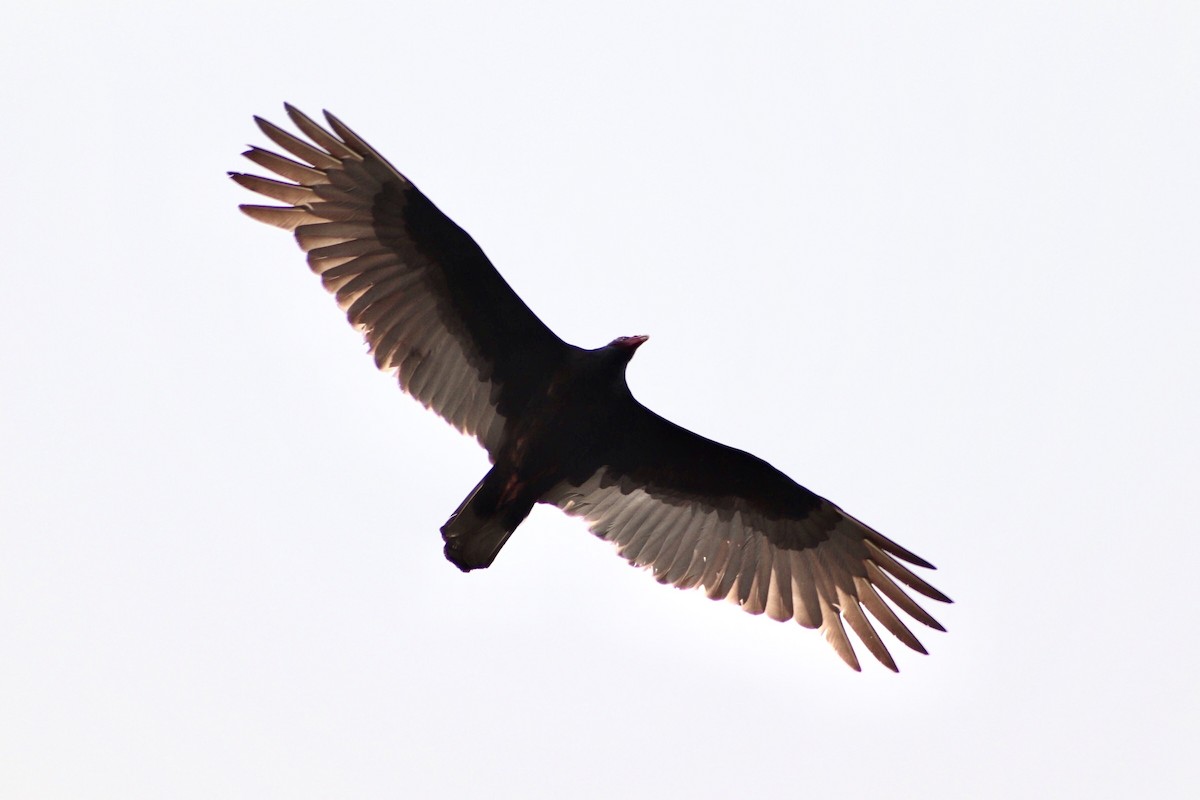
x=475 y=532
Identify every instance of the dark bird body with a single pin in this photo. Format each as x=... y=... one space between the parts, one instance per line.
x=559 y=436
x=559 y=422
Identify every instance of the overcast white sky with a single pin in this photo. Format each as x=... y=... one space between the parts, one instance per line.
x=938 y=262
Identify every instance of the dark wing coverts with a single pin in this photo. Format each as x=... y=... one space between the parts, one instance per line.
x=697 y=513
x=431 y=306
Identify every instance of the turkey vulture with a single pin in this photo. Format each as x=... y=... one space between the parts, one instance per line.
x=558 y=422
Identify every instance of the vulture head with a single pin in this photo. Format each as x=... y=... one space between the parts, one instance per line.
x=627 y=344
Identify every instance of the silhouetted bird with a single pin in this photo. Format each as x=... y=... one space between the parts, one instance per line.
x=558 y=422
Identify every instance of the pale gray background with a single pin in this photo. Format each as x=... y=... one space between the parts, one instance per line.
x=936 y=261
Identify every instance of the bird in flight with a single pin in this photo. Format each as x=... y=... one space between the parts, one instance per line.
x=559 y=422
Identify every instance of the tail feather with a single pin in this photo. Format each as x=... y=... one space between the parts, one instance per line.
x=475 y=532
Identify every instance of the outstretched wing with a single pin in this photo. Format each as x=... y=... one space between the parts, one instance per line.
x=700 y=514
x=431 y=306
